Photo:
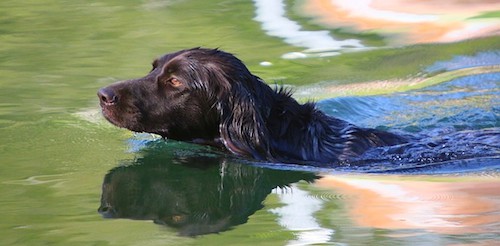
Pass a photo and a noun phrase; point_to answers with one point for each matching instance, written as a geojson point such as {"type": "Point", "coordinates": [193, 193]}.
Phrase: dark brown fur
{"type": "Point", "coordinates": [208, 96]}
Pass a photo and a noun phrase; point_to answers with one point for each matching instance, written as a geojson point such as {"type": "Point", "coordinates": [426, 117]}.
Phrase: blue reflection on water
{"type": "Point", "coordinates": [471, 102]}
{"type": "Point", "coordinates": [490, 58]}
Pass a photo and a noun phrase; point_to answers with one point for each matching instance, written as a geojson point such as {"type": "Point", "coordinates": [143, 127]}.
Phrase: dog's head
{"type": "Point", "coordinates": [194, 94]}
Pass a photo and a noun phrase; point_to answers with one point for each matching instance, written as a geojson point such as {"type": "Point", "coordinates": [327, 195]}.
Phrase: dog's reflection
{"type": "Point", "coordinates": [192, 193]}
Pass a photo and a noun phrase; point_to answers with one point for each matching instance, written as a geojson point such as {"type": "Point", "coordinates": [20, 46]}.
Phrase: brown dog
{"type": "Point", "coordinates": [209, 96]}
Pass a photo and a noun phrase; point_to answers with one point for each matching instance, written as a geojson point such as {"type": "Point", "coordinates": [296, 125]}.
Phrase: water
{"type": "Point", "coordinates": [66, 172]}
{"type": "Point", "coordinates": [453, 121]}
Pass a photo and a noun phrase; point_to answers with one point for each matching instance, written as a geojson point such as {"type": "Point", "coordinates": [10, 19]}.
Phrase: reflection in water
{"type": "Point", "coordinates": [196, 194]}
{"type": "Point", "coordinates": [481, 59]}
{"type": "Point", "coordinates": [363, 9]}
{"type": "Point", "coordinates": [272, 16]}
{"type": "Point", "coordinates": [298, 216]}
{"type": "Point", "coordinates": [466, 205]}
{"type": "Point", "coordinates": [468, 102]}
{"type": "Point", "coordinates": [410, 21]}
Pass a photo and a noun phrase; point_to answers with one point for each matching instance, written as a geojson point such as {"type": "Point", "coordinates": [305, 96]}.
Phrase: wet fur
{"type": "Point", "coordinates": [216, 100]}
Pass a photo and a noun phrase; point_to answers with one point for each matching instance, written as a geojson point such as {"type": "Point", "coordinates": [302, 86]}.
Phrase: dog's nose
{"type": "Point", "coordinates": [107, 96]}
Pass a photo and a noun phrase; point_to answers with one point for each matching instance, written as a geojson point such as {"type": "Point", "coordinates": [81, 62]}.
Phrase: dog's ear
{"type": "Point", "coordinates": [242, 126]}
{"type": "Point", "coordinates": [240, 98]}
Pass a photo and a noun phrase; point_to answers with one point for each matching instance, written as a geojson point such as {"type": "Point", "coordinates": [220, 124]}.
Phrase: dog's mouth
{"type": "Point", "coordinates": [106, 104]}
{"type": "Point", "coordinates": [116, 117]}
{"type": "Point", "coordinates": [128, 119]}
{"type": "Point", "coordinates": [109, 112]}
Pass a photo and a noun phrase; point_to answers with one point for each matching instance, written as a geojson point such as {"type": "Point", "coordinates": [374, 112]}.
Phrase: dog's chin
{"type": "Point", "coordinates": [130, 124]}
{"type": "Point", "coordinates": [112, 117]}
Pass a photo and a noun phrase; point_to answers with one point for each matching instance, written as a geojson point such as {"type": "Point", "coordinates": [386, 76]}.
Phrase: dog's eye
{"type": "Point", "coordinates": [174, 82]}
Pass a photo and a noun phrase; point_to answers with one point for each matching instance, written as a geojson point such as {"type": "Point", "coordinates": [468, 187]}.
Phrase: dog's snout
{"type": "Point", "coordinates": [107, 96]}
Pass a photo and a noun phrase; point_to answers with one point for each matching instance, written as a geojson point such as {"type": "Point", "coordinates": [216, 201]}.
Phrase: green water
{"type": "Point", "coordinates": [55, 149]}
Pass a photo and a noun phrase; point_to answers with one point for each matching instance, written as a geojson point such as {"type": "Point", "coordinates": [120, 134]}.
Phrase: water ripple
{"type": "Point", "coordinates": [38, 180]}
{"type": "Point", "coordinates": [328, 196]}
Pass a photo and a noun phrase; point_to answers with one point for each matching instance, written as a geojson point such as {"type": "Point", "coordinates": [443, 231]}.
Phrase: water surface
{"type": "Point", "coordinates": [62, 163]}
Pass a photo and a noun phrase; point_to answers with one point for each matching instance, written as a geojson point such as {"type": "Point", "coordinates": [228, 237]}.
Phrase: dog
{"type": "Point", "coordinates": [208, 96]}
